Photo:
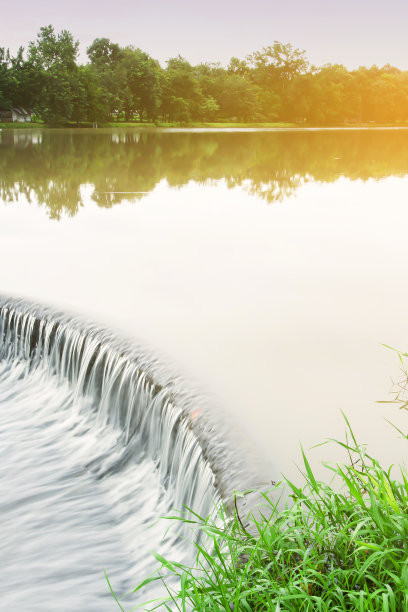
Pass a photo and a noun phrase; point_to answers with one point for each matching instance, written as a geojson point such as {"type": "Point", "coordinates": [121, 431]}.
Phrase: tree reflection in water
{"type": "Point", "coordinates": [49, 167]}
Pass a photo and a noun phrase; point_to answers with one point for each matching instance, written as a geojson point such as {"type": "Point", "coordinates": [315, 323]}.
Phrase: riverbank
{"type": "Point", "coordinates": [197, 125]}
{"type": "Point", "coordinates": [338, 546]}
{"type": "Point", "coordinates": [138, 125]}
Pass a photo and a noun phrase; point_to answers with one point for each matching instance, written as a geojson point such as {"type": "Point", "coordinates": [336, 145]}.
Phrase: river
{"type": "Point", "coordinates": [266, 266]}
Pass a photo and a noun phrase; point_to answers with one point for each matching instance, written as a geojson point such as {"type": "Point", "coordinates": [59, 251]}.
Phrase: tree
{"type": "Point", "coordinates": [142, 79]}
{"type": "Point", "coordinates": [237, 66]}
{"type": "Point", "coordinates": [103, 53]}
{"type": "Point", "coordinates": [274, 70]}
{"type": "Point", "coordinates": [238, 98]}
{"type": "Point", "coordinates": [5, 79]}
{"type": "Point", "coordinates": [279, 62]}
{"type": "Point", "coordinates": [51, 50]}
{"type": "Point", "coordinates": [182, 96]}
{"type": "Point", "coordinates": [53, 59]}
{"type": "Point", "coordinates": [329, 91]}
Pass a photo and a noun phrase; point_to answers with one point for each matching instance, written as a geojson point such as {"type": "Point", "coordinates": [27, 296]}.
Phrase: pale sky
{"type": "Point", "coordinates": [351, 32]}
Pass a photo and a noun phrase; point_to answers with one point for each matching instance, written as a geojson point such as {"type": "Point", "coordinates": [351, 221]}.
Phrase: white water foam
{"type": "Point", "coordinates": [93, 453]}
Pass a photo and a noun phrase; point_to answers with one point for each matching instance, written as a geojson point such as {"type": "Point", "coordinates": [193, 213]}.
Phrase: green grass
{"type": "Point", "coordinates": [334, 547]}
{"type": "Point", "coordinates": [147, 124]}
{"type": "Point", "coordinates": [21, 126]}
{"type": "Point", "coordinates": [190, 124]}
{"type": "Point", "coordinates": [197, 124]}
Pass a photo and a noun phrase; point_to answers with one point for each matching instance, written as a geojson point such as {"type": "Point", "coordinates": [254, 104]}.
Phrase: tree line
{"type": "Point", "coordinates": [276, 84]}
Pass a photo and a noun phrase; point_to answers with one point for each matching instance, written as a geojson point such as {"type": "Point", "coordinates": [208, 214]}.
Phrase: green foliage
{"type": "Point", "coordinates": [103, 53]}
{"type": "Point", "coordinates": [274, 84]}
{"type": "Point", "coordinates": [142, 78]}
{"type": "Point", "coordinates": [339, 547]}
{"type": "Point", "coordinates": [238, 98]}
{"type": "Point", "coordinates": [5, 79]}
{"type": "Point", "coordinates": [50, 50]}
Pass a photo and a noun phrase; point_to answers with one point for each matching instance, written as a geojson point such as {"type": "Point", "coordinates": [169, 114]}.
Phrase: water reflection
{"type": "Point", "coordinates": [50, 167]}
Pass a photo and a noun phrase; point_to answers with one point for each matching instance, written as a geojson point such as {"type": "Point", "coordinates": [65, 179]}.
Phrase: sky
{"type": "Point", "coordinates": [349, 32]}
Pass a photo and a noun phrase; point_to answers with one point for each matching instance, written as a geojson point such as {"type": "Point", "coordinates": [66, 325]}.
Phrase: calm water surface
{"type": "Point", "coordinates": [268, 265]}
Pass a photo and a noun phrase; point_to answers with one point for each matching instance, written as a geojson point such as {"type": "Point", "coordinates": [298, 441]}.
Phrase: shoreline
{"type": "Point", "coordinates": [195, 125]}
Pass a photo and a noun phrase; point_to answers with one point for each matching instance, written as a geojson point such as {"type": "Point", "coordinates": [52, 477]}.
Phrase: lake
{"type": "Point", "coordinates": [267, 266]}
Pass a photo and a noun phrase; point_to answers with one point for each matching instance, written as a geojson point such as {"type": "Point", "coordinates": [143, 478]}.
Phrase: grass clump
{"type": "Point", "coordinates": [339, 546]}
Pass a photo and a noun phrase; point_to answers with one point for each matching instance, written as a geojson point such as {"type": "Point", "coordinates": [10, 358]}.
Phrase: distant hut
{"type": "Point", "coordinates": [19, 114]}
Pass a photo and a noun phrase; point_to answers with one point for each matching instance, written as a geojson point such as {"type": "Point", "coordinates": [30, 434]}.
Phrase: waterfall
{"type": "Point", "coordinates": [102, 427]}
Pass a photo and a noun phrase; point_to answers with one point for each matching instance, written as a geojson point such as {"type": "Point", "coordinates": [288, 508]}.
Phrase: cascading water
{"type": "Point", "coordinates": [96, 444]}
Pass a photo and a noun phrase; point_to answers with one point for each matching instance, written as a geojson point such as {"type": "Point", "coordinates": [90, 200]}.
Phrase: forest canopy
{"type": "Point", "coordinates": [275, 84]}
